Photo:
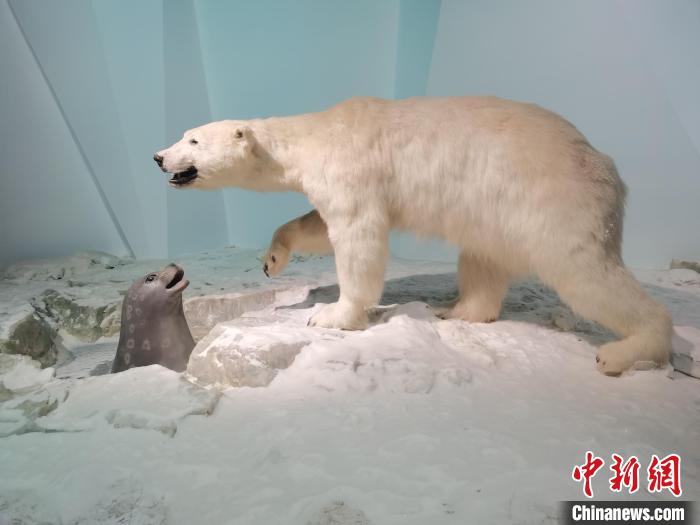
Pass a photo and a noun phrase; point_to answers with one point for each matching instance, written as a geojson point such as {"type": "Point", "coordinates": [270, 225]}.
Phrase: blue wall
{"type": "Point", "coordinates": [91, 89]}
{"type": "Point", "coordinates": [196, 220]}
{"type": "Point", "coordinates": [49, 202]}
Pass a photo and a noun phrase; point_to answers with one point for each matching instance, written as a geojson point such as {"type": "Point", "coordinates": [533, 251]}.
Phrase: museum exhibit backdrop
{"type": "Point", "coordinates": [91, 89]}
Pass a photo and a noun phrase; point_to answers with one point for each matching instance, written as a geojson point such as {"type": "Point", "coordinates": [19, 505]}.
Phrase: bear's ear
{"type": "Point", "coordinates": [245, 136]}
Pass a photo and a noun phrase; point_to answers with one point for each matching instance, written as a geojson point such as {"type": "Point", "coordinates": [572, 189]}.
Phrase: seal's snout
{"type": "Point", "coordinates": [177, 277]}
{"type": "Point", "coordinates": [266, 270]}
{"type": "Point", "coordinates": [173, 276]}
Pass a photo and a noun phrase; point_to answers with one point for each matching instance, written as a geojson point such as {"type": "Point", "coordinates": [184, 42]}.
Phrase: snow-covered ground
{"type": "Point", "coordinates": [416, 420]}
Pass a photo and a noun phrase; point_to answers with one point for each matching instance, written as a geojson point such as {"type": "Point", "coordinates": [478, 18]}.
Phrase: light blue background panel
{"type": "Point", "coordinates": [48, 201]}
{"type": "Point", "coordinates": [66, 41]}
{"type": "Point", "coordinates": [196, 220]}
{"type": "Point", "coordinates": [136, 69]}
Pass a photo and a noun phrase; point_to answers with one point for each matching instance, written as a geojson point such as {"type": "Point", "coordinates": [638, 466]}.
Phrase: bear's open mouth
{"type": "Point", "coordinates": [184, 177]}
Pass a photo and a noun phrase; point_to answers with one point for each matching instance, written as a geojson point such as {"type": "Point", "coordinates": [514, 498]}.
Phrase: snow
{"type": "Point", "coordinates": [150, 397]}
{"type": "Point", "coordinates": [20, 373]}
{"type": "Point", "coordinates": [416, 420]}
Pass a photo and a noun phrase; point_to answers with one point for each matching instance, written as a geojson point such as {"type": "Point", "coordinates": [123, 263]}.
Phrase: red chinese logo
{"type": "Point", "coordinates": [661, 473]}
{"type": "Point", "coordinates": [586, 472]}
{"type": "Point", "coordinates": [665, 474]}
{"type": "Point", "coordinates": [625, 474]}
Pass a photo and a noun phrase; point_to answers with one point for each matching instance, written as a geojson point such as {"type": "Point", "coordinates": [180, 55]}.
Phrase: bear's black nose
{"type": "Point", "coordinates": [158, 159]}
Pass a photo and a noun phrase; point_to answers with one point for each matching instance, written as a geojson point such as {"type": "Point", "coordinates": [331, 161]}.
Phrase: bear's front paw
{"type": "Point", "coordinates": [275, 261]}
{"type": "Point", "coordinates": [340, 315]}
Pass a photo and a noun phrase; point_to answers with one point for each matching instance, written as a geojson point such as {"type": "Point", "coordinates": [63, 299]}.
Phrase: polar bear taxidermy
{"type": "Point", "coordinates": [517, 188]}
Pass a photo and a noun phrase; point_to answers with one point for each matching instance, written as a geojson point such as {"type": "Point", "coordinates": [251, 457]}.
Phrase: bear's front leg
{"type": "Point", "coordinates": [306, 234]}
{"type": "Point", "coordinates": [361, 250]}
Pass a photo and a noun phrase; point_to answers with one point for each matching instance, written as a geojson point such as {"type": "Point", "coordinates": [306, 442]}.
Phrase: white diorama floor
{"type": "Point", "coordinates": [415, 420]}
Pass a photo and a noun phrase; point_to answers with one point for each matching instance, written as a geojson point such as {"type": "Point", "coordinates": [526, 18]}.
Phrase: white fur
{"type": "Point", "coordinates": [305, 234]}
{"type": "Point", "coordinates": [516, 187]}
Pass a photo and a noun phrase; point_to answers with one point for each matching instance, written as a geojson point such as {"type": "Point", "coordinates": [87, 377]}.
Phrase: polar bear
{"type": "Point", "coordinates": [306, 234]}
{"type": "Point", "coordinates": [516, 187]}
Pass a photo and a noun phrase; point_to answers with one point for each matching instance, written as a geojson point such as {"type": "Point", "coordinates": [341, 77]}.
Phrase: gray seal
{"type": "Point", "coordinates": [154, 329]}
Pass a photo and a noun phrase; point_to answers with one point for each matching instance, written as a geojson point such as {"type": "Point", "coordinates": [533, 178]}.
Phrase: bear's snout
{"type": "Point", "coordinates": [158, 159]}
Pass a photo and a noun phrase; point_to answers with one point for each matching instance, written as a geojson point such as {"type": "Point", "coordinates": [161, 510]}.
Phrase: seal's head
{"type": "Point", "coordinates": [154, 328]}
{"type": "Point", "coordinates": [159, 291]}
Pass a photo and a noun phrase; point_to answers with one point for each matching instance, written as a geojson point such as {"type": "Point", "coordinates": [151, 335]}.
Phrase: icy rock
{"type": "Point", "coordinates": [21, 508]}
{"type": "Point", "coordinates": [277, 345]}
{"type": "Point", "coordinates": [28, 334]}
{"type": "Point", "coordinates": [685, 356]}
{"type": "Point", "coordinates": [413, 309]}
{"type": "Point", "coordinates": [232, 355]}
{"type": "Point", "coordinates": [339, 513]}
{"type": "Point", "coordinates": [19, 413]}
{"type": "Point", "coordinates": [19, 417]}
{"type": "Point", "coordinates": [126, 502]}
{"type": "Point", "coordinates": [688, 265]}
{"type": "Point", "coordinates": [12, 423]}
{"type": "Point", "coordinates": [402, 355]}
{"type": "Point", "coordinates": [149, 397]}
{"type": "Point", "coordinates": [33, 409]}
{"type": "Point", "coordinates": [204, 313]}
{"type": "Point", "coordinates": [92, 359]}
{"type": "Point", "coordinates": [61, 268]}
{"type": "Point", "coordinates": [87, 322]}
{"type": "Point", "coordinates": [5, 393]}
{"type": "Point", "coordinates": [20, 374]}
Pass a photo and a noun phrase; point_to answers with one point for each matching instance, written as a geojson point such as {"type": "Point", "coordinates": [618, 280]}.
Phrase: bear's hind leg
{"type": "Point", "coordinates": [482, 287]}
{"type": "Point", "coordinates": [606, 292]}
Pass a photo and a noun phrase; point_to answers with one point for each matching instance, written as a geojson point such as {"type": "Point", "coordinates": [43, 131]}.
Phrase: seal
{"type": "Point", "coordinates": [154, 329]}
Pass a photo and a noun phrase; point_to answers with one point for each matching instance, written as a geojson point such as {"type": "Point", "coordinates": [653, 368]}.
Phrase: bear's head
{"type": "Point", "coordinates": [218, 154]}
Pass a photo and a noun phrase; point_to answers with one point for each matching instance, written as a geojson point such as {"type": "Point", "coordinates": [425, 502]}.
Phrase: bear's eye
{"type": "Point", "coordinates": [274, 259]}
{"type": "Point", "coordinates": [194, 142]}
{"type": "Point", "coordinates": [239, 134]}
{"type": "Point", "coordinates": [151, 277]}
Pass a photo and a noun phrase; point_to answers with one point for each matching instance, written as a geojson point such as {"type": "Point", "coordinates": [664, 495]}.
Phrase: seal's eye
{"type": "Point", "coordinates": [194, 142]}
{"type": "Point", "coordinates": [151, 277]}
{"type": "Point", "coordinates": [274, 259]}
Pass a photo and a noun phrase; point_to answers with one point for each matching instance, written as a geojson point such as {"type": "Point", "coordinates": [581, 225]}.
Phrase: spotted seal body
{"type": "Point", "coordinates": [154, 329]}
